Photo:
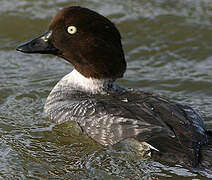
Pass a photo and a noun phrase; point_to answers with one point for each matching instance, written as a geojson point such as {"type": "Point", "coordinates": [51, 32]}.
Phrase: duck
{"type": "Point", "coordinates": [107, 112]}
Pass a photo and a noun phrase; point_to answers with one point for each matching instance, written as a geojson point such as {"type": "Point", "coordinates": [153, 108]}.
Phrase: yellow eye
{"type": "Point", "coordinates": [72, 29]}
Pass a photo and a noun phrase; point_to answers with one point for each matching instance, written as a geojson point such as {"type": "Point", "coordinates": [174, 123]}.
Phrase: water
{"type": "Point", "coordinates": [168, 48]}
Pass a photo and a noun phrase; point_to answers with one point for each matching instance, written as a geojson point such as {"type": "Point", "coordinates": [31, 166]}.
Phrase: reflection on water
{"type": "Point", "coordinates": [168, 48]}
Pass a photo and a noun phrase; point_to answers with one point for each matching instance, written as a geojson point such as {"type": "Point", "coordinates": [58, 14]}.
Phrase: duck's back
{"type": "Point", "coordinates": [112, 117]}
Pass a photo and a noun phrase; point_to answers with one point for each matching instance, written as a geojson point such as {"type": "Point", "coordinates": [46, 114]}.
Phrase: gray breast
{"type": "Point", "coordinates": [65, 103]}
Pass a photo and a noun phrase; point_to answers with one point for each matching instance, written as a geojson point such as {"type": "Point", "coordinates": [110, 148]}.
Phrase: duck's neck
{"type": "Point", "coordinates": [95, 86]}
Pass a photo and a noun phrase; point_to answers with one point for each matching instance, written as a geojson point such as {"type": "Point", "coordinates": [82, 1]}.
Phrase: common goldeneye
{"type": "Point", "coordinates": [107, 112]}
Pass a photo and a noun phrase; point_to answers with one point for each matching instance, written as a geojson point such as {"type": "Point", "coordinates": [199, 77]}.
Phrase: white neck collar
{"type": "Point", "coordinates": [94, 86]}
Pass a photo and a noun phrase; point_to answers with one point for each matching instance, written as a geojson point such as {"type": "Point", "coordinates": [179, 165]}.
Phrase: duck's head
{"type": "Point", "coordinates": [88, 40]}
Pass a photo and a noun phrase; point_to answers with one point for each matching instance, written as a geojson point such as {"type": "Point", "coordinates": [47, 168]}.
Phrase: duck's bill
{"type": "Point", "coordinates": [41, 44]}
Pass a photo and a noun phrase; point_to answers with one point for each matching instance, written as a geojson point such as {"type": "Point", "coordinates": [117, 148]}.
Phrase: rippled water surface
{"type": "Point", "coordinates": [168, 48]}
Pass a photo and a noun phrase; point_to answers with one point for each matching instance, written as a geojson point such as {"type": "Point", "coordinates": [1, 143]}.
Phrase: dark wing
{"type": "Point", "coordinates": [187, 125]}
{"type": "Point", "coordinates": [109, 119]}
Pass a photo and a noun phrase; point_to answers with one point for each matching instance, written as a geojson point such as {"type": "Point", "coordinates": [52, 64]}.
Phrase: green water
{"type": "Point", "coordinates": [168, 49]}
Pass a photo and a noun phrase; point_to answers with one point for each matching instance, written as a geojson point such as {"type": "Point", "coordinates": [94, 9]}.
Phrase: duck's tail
{"type": "Point", "coordinates": [206, 153]}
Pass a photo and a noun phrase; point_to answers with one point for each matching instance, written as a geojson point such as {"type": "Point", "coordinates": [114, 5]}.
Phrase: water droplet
{"type": "Point", "coordinates": [125, 100]}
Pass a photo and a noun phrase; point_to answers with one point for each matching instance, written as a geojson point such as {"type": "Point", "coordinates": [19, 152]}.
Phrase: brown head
{"type": "Point", "coordinates": [88, 40]}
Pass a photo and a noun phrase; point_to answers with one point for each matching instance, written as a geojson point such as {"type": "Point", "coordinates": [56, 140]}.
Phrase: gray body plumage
{"type": "Point", "coordinates": [110, 117]}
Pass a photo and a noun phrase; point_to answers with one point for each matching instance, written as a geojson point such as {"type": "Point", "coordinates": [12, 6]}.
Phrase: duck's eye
{"type": "Point", "coordinates": [72, 29]}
